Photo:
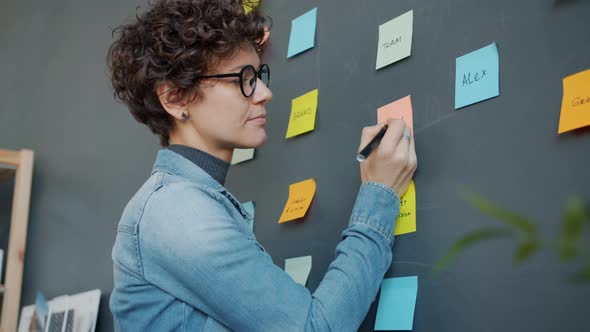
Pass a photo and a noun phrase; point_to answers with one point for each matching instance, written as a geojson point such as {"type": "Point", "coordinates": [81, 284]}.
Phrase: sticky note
{"type": "Point", "coordinates": [399, 109]}
{"type": "Point", "coordinates": [249, 5]}
{"type": "Point", "coordinates": [477, 76]}
{"type": "Point", "coordinates": [397, 303]}
{"type": "Point", "coordinates": [249, 207]}
{"type": "Point", "coordinates": [300, 197]}
{"type": "Point", "coordinates": [406, 221]}
{"type": "Point", "coordinates": [241, 155]}
{"type": "Point", "coordinates": [575, 105]}
{"type": "Point", "coordinates": [303, 110]}
{"type": "Point", "coordinates": [395, 40]}
{"type": "Point", "coordinates": [302, 35]}
{"type": "Point", "coordinates": [298, 268]}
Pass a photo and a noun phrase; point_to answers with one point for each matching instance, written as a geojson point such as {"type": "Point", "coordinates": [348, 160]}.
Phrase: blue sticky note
{"type": "Point", "coordinates": [397, 303]}
{"type": "Point", "coordinates": [477, 76]}
{"type": "Point", "coordinates": [302, 33]}
{"type": "Point", "coordinates": [41, 308]}
{"type": "Point", "coordinates": [249, 207]}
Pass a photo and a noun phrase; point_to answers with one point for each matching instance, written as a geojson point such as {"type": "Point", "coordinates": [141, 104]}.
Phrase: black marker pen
{"type": "Point", "coordinates": [364, 154]}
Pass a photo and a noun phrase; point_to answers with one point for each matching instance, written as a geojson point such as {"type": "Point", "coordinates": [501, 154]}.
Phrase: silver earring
{"type": "Point", "coordinates": [185, 116]}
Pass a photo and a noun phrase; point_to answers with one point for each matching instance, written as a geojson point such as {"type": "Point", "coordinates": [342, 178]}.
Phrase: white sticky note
{"type": "Point", "coordinates": [395, 40]}
{"type": "Point", "coordinates": [241, 155]}
{"type": "Point", "coordinates": [298, 268]}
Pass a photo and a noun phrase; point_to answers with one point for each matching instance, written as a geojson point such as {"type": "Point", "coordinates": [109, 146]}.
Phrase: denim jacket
{"type": "Point", "coordinates": [185, 259]}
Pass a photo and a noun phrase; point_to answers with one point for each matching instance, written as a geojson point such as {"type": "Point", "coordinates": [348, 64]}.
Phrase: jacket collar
{"type": "Point", "coordinates": [171, 162]}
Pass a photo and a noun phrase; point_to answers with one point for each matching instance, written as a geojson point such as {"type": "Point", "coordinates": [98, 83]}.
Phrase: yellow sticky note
{"type": "Point", "coordinates": [303, 111]}
{"type": "Point", "coordinates": [575, 106]}
{"type": "Point", "coordinates": [300, 197]}
{"type": "Point", "coordinates": [406, 221]}
{"type": "Point", "coordinates": [249, 5]}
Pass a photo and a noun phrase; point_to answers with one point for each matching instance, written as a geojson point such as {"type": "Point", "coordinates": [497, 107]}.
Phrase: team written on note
{"type": "Point", "coordinates": [300, 197]}
{"type": "Point", "coordinates": [303, 113]}
{"type": "Point", "coordinates": [402, 108]}
{"type": "Point", "coordinates": [477, 76]}
{"type": "Point", "coordinates": [302, 35]}
{"type": "Point", "coordinates": [395, 40]}
{"type": "Point", "coordinates": [575, 105]}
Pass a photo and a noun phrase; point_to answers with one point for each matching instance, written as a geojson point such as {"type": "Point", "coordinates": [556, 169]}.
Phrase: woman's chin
{"type": "Point", "coordinates": [254, 142]}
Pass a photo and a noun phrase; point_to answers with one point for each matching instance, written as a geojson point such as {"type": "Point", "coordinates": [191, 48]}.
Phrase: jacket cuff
{"type": "Point", "coordinates": [377, 206]}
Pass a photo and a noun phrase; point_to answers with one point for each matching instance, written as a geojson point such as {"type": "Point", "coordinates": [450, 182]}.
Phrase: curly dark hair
{"type": "Point", "coordinates": [175, 41]}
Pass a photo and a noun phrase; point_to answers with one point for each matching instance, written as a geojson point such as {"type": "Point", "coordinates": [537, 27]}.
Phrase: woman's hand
{"type": "Point", "coordinates": [394, 161]}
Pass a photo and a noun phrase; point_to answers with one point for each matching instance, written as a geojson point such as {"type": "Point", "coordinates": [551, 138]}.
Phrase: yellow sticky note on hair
{"type": "Point", "coordinates": [249, 5]}
{"type": "Point", "coordinates": [406, 221]}
{"type": "Point", "coordinates": [575, 106]}
{"type": "Point", "coordinates": [300, 197]}
{"type": "Point", "coordinates": [303, 110]}
{"type": "Point", "coordinates": [401, 108]}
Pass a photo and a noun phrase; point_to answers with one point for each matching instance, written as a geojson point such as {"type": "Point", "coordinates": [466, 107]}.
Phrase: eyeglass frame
{"type": "Point", "coordinates": [257, 74]}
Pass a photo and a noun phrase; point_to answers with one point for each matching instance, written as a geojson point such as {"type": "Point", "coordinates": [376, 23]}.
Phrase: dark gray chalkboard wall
{"type": "Point", "coordinates": [91, 156]}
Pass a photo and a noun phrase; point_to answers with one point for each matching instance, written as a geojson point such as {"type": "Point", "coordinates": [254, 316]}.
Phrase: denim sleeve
{"type": "Point", "coordinates": [194, 251]}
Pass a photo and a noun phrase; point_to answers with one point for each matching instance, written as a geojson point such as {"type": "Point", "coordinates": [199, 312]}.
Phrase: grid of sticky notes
{"type": "Point", "coordinates": [477, 79]}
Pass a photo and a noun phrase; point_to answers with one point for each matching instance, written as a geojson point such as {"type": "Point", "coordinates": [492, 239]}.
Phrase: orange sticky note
{"type": "Point", "coordinates": [401, 108]}
{"type": "Point", "coordinates": [575, 105]}
{"type": "Point", "coordinates": [300, 197]}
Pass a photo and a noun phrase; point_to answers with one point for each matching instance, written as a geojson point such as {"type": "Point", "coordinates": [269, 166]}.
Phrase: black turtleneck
{"type": "Point", "coordinates": [214, 166]}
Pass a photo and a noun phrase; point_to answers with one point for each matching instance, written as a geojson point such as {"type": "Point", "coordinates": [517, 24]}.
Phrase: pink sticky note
{"type": "Point", "coordinates": [401, 108]}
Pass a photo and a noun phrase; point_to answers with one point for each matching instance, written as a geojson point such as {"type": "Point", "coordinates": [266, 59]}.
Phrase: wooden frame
{"type": "Point", "coordinates": [20, 163]}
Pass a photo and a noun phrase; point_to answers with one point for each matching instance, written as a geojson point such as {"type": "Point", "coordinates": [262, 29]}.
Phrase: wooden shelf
{"type": "Point", "coordinates": [17, 164]}
{"type": "Point", "coordinates": [6, 173]}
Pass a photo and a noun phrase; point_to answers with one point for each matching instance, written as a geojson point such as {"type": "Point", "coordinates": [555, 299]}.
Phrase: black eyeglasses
{"type": "Point", "coordinates": [248, 78]}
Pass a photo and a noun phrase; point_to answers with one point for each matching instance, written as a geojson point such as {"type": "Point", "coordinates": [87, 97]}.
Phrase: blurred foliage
{"type": "Point", "coordinates": [568, 245]}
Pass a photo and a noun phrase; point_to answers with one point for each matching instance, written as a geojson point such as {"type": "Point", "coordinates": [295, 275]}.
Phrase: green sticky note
{"type": "Point", "coordinates": [298, 268]}
{"type": "Point", "coordinates": [395, 39]}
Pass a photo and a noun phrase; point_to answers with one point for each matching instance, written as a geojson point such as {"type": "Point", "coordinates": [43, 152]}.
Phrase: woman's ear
{"type": "Point", "coordinates": [166, 94]}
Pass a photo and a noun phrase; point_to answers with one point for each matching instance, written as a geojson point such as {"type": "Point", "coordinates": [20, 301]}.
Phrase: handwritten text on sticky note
{"type": "Point", "coordinates": [477, 76]}
{"type": "Point", "coordinates": [575, 105]}
{"type": "Point", "coordinates": [406, 221]}
{"type": "Point", "coordinates": [395, 40]}
{"type": "Point", "coordinates": [300, 197]}
{"type": "Point", "coordinates": [303, 114]}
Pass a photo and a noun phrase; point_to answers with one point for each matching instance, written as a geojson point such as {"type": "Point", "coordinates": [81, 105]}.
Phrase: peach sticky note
{"type": "Point", "coordinates": [401, 108]}
{"type": "Point", "coordinates": [303, 110]}
{"type": "Point", "coordinates": [406, 221]}
{"type": "Point", "coordinates": [300, 197]}
{"type": "Point", "coordinates": [575, 106]}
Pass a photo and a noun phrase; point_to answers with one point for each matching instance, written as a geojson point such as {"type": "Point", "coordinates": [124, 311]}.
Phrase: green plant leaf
{"type": "Point", "coordinates": [508, 217]}
{"type": "Point", "coordinates": [525, 250]}
{"type": "Point", "coordinates": [571, 228]}
{"type": "Point", "coordinates": [467, 241]}
{"type": "Point", "coordinates": [583, 275]}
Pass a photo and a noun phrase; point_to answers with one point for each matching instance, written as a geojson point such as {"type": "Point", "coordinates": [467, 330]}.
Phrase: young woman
{"type": "Point", "coordinates": [184, 256]}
